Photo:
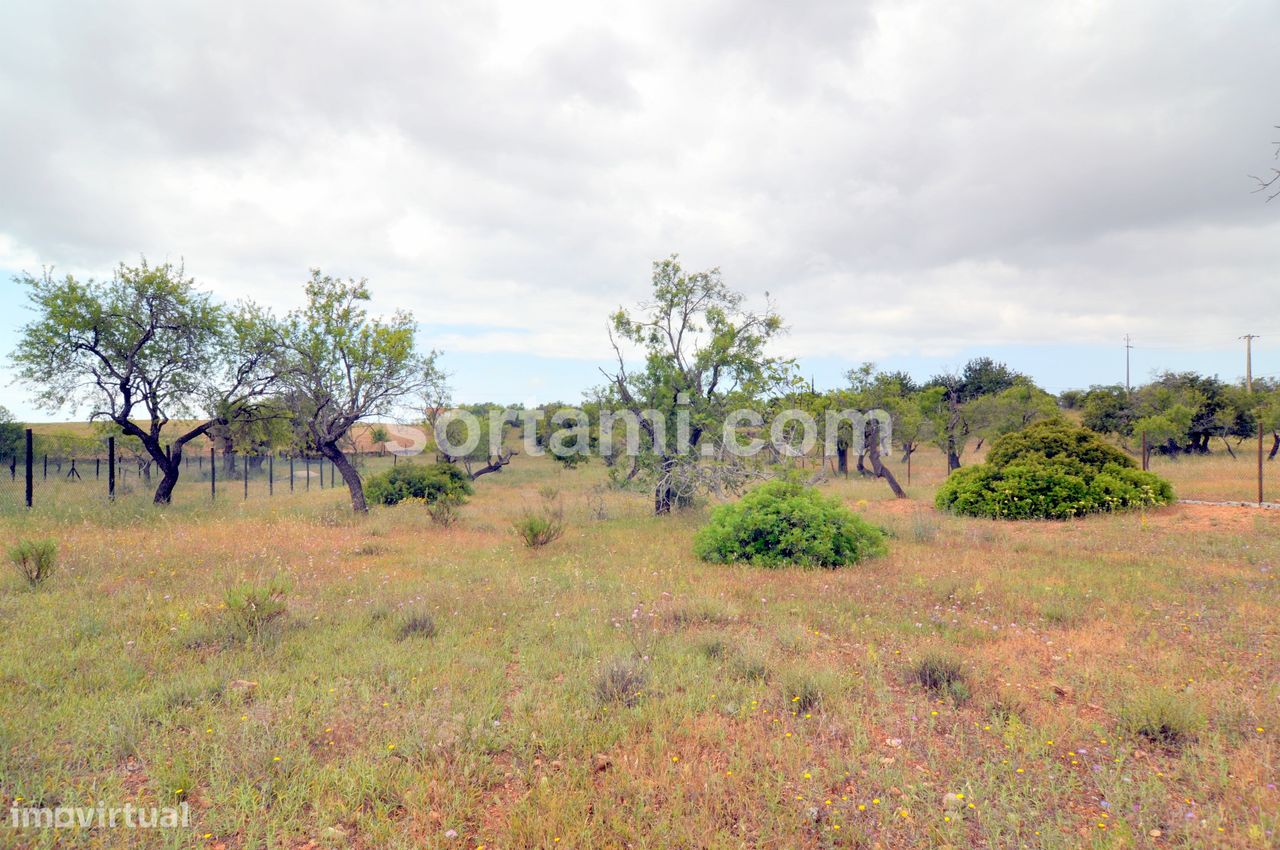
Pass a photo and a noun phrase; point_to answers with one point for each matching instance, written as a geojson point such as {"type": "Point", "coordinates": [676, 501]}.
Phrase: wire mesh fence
{"type": "Point", "coordinates": [41, 475]}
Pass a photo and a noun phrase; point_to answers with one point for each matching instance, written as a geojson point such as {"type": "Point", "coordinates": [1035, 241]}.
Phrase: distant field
{"type": "Point", "coordinates": [776, 709]}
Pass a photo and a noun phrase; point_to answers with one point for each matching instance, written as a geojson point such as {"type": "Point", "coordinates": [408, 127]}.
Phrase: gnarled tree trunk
{"type": "Point", "coordinates": [349, 475]}
{"type": "Point", "coordinates": [879, 468]}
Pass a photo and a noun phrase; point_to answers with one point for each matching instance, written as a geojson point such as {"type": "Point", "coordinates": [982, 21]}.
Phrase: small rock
{"type": "Point", "coordinates": [451, 833]}
{"type": "Point", "coordinates": [335, 836]}
{"type": "Point", "coordinates": [1155, 833]}
{"type": "Point", "coordinates": [893, 742]}
{"type": "Point", "coordinates": [952, 802]}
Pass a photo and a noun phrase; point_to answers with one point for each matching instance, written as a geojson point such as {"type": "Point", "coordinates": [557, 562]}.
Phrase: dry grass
{"type": "Point", "coordinates": [800, 728]}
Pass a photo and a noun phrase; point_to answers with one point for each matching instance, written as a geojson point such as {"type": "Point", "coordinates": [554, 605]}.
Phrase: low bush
{"type": "Point", "coordinates": [416, 624]}
{"type": "Point", "coordinates": [621, 682]}
{"type": "Point", "coordinates": [1051, 470]}
{"type": "Point", "coordinates": [35, 560]}
{"type": "Point", "coordinates": [942, 674]}
{"type": "Point", "coordinates": [1162, 717]}
{"type": "Point", "coordinates": [783, 522]}
{"type": "Point", "coordinates": [256, 609]}
{"type": "Point", "coordinates": [434, 483]}
{"type": "Point", "coordinates": [545, 525]}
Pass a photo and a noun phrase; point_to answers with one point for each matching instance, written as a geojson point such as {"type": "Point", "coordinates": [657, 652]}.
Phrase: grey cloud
{"type": "Point", "coordinates": [980, 172]}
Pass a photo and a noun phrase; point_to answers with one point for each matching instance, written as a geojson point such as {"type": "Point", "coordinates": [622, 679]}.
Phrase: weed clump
{"type": "Point", "coordinates": [416, 624]}
{"type": "Point", "coordinates": [35, 560]}
{"type": "Point", "coordinates": [1163, 717]}
{"type": "Point", "coordinates": [621, 682]}
{"type": "Point", "coordinates": [803, 695]}
{"type": "Point", "coordinates": [943, 674]}
{"type": "Point", "coordinates": [256, 610]}
{"type": "Point", "coordinates": [544, 525]}
{"type": "Point", "coordinates": [784, 522]}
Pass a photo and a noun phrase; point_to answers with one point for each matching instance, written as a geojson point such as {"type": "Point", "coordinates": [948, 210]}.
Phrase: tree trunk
{"type": "Point", "coordinates": [664, 495]}
{"type": "Point", "coordinates": [953, 423]}
{"type": "Point", "coordinates": [1275, 445]}
{"type": "Point", "coordinates": [164, 493]}
{"type": "Point", "coordinates": [880, 469]}
{"type": "Point", "coordinates": [842, 459]}
{"type": "Point", "coordinates": [349, 475]}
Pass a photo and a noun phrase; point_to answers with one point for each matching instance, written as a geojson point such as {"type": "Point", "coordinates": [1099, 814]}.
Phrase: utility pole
{"type": "Point", "coordinates": [1128, 346]}
{"type": "Point", "coordinates": [1248, 360]}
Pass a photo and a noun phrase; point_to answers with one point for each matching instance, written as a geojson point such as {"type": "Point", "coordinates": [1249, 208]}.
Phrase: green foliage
{"type": "Point", "coordinates": [538, 528]}
{"type": "Point", "coordinates": [1162, 717]}
{"type": "Point", "coordinates": [35, 560]}
{"type": "Point", "coordinates": [1051, 470]}
{"type": "Point", "coordinates": [434, 483]}
{"type": "Point", "coordinates": [12, 438]}
{"type": "Point", "coordinates": [783, 522]}
{"type": "Point", "coordinates": [143, 350]}
{"type": "Point", "coordinates": [340, 366]}
{"type": "Point", "coordinates": [256, 610]}
{"type": "Point", "coordinates": [704, 356]}
{"type": "Point", "coordinates": [1057, 439]}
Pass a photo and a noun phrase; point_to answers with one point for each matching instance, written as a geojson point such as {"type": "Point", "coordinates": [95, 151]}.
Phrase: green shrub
{"type": "Point", "coordinates": [432, 483]}
{"type": "Point", "coordinates": [35, 560]}
{"type": "Point", "coordinates": [783, 522]}
{"type": "Point", "coordinates": [1051, 470]}
{"type": "Point", "coordinates": [539, 527]}
{"type": "Point", "coordinates": [256, 609]}
{"type": "Point", "coordinates": [1162, 717]}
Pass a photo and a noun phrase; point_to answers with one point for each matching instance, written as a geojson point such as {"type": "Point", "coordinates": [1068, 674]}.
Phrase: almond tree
{"type": "Point", "coordinates": [704, 354]}
{"type": "Point", "coordinates": [145, 350]}
{"type": "Point", "coordinates": [341, 367]}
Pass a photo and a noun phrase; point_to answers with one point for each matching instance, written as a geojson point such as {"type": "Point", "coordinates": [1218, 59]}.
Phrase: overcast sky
{"type": "Point", "coordinates": [914, 182]}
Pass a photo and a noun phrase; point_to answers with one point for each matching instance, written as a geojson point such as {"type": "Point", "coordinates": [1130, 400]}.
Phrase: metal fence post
{"type": "Point", "coordinates": [111, 467]}
{"type": "Point", "coordinates": [245, 465]}
{"type": "Point", "coordinates": [290, 473]}
{"type": "Point", "coordinates": [213, 475]}
{"type": "Point", "coordinates": [30, 470]}
{"type": "Point", "coordinates": [271, 474]}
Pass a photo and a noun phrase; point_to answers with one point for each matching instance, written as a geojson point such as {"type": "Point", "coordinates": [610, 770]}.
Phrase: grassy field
{"type": "Point", "coordinates": [760, 708]}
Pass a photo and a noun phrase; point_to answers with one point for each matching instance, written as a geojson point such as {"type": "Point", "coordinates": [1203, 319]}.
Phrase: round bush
{"type": "Point", "coordinates": [1051, 470]}
{"type": "Point", "coordinates": [434, 483]}
{"type": "Point", "coordinates": [783, 522]}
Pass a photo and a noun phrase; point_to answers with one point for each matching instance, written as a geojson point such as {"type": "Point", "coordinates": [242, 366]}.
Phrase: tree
{"type": "Point", "coordinates": [145, 347]}
{"type": "Point", "coordinates": [379, 435]}
{"type": "Point", "coordinates": [980, 376]}
{"type": "Point", "coordinates": [992, 416]}
{"type": "Point", "coordinates": [1108, 410]}
{"type": "Point", "coordinates": [252, 431]}
{"type": "Point", "coordinates": [343, 367]}
{"type": "Point", "coordinates": [11, 434]}
{"type": "Point", "coordinates": [703, 353]}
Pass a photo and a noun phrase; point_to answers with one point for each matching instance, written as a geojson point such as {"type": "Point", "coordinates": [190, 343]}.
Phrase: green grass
{"type": "Point", "coordinates": [762, 694]}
